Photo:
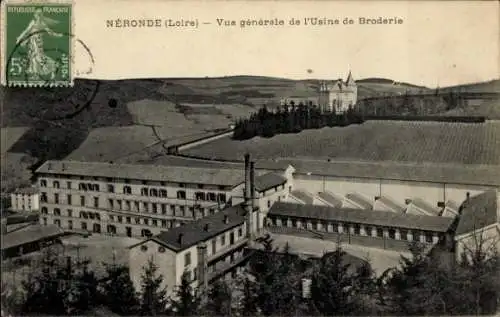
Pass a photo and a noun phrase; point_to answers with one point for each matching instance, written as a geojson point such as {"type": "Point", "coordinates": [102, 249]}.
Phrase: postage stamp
{"type": "Point", "coordinates": [37, 43]}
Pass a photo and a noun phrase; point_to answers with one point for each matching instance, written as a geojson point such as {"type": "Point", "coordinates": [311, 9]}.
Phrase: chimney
{"type": "Point", "coordinates": [202, 266]}
{"type": "Point", "coordinates": [206, 227]}
{"type": "Point", "coordinates": [179, 238]}
{"type": "Point", "coordinates": [226, 219]}
{"type": "Point", "coordinates": [254, 202]}
{"type": "Point", "coordinates": [247, 195]}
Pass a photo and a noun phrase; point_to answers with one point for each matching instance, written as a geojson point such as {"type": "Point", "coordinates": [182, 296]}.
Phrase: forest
{"type": "Point", "coordinates": [290, 119]}
{"type": "Point", "coordinates": [271, 284]}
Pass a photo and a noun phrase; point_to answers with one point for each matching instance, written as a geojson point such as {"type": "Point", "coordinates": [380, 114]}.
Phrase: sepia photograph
{"type": "Point", "coordinates": [237, 158]}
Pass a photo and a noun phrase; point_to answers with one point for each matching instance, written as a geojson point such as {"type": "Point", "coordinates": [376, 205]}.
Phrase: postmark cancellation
{"type": "Point", "coordinates": [37, 43]}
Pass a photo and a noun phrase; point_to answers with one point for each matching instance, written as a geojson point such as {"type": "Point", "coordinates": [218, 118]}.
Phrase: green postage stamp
{"type": "Point", "coordinates": [37, 43]}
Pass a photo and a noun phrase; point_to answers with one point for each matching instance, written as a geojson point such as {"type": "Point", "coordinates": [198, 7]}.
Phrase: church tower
{"type": "Point", "coordinates": [337, 96]}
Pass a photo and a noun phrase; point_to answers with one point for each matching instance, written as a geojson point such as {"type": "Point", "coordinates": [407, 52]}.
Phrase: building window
{"type": "Point", "coordinates": [163, 193]}
{"type": "Point", "coordinates": [153, 192]}
{"type": "Point", "coordinates": [214, 246]}
{"type": "Point", "coordinates": [57, 211]}
{"type": "Point", "coordinates": [392, 233]}
{"type": "Point", "coordinates": [70, 224]}
{"type": "Point", "coordinates": [127, 190]}
{"type": "Point", "coordinates": [211, 197]}
{"type": "Point", "coordinates": [137, 220]}
{"type": "Point", "coordinates": [163, 223]}
{"type": "Point", "coordinates": [182, 185]}
{"type": "Point", "coordinates": [240, 232]}
{"type": "Point", "coordinates": [56, 198]}
{"type": "Point", "coordinates": [111, 188]}
{"type": "Point", "coordinates": [269, 204]}
{"type": "Point", "coordinates": [111, 229]}
{"type": "Point", "coordinates": [428, 237]}
{"type": "Point", "coordinates": [120, 219]}
{"type": "Point", "coordinates": [223, 240]}
{"type": "Point", "coordinates": [96, 187]}
{"type": "Point", "coordinates": [127, 205]}
{"type": "Point", "coordinates": [181, 194]}
{"type": "Point", "coordinates": [45, 221]}
{"type": "Point", "coordinates": [380, 232]}
{"type": "Point", "coordinates": [96, 202]}
{"type": "Point", "coordinates": [163, 209]}
{"type": "Point", "coordinates": [136, 205]}
{"type": "Point", "coordinates": [146, 221]}
{"type": "Point", "coordinates": [69, 200]}
{"type": "Point", "coordinates": [43, 197]}
{"type": "Point", "coordinates": [82, 200]}
{"type": "Point", "coordinates": [55, 184]}
{"type": "Point", "coordinates": [146, 206]}
{"type": "Point", "coordinates": [357, 229]}
{"type": "Point", "coordinates": [155, 222]}
{"type": "Point", "coordinates": [97, 228]}
{"type": "Point", "coordinates": [155, 208]}
{"type": "Point", "coordinates": [128, 219]}
{"type": "Point", "coordinates": [84, 225]}
{"type": "Point", "coordinates": [110, 203]}
{"type": "Point", "coordinates": [187, 259]}
{"type": "Point", "coordinates": [57, 222]}
{"type": "Point", "coordinates": [43, 183]}
{"type": "Point", "coordinates": [82, 186]}
{"type": "Point", "coordinates": [70, 213]}
{"type": "Point", "coordinates": [199, 196]}
{"type": "Point", "coordinates": [144, 191]}
{"type": "Point", "coordinates": [68, 185]}
{"type": "Point", "coordinates": [119, 202]}
{"type": "Point", "coordinates": [221, 198]}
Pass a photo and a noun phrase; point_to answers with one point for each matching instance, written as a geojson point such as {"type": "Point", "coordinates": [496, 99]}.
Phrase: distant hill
{"type": "Point", "coordinates": [165, 109]}
{"type": "Point", "coordinates": [481, 87]}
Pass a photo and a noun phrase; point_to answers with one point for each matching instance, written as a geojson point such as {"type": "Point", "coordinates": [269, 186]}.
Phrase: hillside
{"type": "Point", "coordinates": [138, 118]}
{"type": "Point", "coordinates": [402, 141]}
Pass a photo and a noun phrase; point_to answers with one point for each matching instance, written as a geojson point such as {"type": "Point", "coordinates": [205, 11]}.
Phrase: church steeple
{"type": "Point", "coordinates": [350, 81]}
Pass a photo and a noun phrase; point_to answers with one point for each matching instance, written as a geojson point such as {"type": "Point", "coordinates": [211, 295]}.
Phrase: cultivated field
{"type": "Point", "coordinates": [373, 141]}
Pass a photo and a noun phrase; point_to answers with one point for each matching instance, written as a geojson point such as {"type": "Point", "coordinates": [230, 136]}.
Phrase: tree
{"type": "Point", "coordinates": [153, 296]}
{"type": "Point", "coordinates": [186, 301]}
{"type": "Point", "coordinates": [248, 305]}
{"type": "Point", "coordinates": [218, 300]}
{"type": "Point", "coordinates": [332, 287]}
{"type": "Point", "coordinates": [118, 291]}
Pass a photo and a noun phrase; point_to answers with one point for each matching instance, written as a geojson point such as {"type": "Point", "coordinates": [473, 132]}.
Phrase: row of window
{"type": "Point", "coordinates": [156, 208]}
{"type": "Point", "coordinates": [145, 191]}
{"type": "Point", "coordinates": [358, 229]}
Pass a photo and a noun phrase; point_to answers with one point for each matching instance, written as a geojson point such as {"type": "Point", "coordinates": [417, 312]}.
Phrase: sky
{"type": "Point", "coordinates": [438, 43]}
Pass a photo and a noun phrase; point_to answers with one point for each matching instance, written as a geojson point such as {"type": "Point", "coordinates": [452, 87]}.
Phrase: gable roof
{"type": "Point", "coordinates": [269, 180]}
{"type": "Point", "coordinates": [391, 204]}
{"type": "Point", "coordinates": [359, 200]}
{"type": "Point", "coordinates": [367, 217]}
{"type": "Point", "coordinates": [425, 206]}
{"type": "Point", "coordinates": [304, 196]}
{"type": "Point", "coordinates": [330, 199]}
{"type": "Point", "coordinates": [178, 174]}
{"type": "Point", "coordinates": [194, 232]}
{"type": "Point", "coordinates": [478, 212]}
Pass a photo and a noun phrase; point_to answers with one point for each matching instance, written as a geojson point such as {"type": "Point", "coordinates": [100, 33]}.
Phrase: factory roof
{"type": "Point", "coordinates": [330, 199]}
{"type": "Point", "coordinates": [180, 174]}
{"type": "Point", "coordinates": [478, 212]}
{"type": "Point", "coordinates": [367, 217]}
{"type": "Point", "coordinates": [268, 180]}
{"type": "Point", "coordinates": [200, 230]}
{"type": "Point", "coordinates": [391, 204]}
{"type": "Point", "coordinates": [359, 200]}
{"type": "Point", "coordinates": [420, 172]}
{"type": "Point", "coordinates": [304, 196]}
{"type": "Point", "coordinates": [30, 234]}
{"type": "Point", "coordinates": [420, 203]}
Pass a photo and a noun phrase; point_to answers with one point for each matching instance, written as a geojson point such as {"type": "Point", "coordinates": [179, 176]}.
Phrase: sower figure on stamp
{"type": "Point", "coordinates": [39, 64]}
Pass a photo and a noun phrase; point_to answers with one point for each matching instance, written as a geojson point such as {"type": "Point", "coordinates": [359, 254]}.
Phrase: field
{"type": "Point", "coordinates": [372, 141]}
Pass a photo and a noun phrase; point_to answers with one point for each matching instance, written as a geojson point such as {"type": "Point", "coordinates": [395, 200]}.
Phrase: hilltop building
{"type": "Point", "coordinates": [332, 96]}
{"type": "Point", "coordinates": [339, 95]}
